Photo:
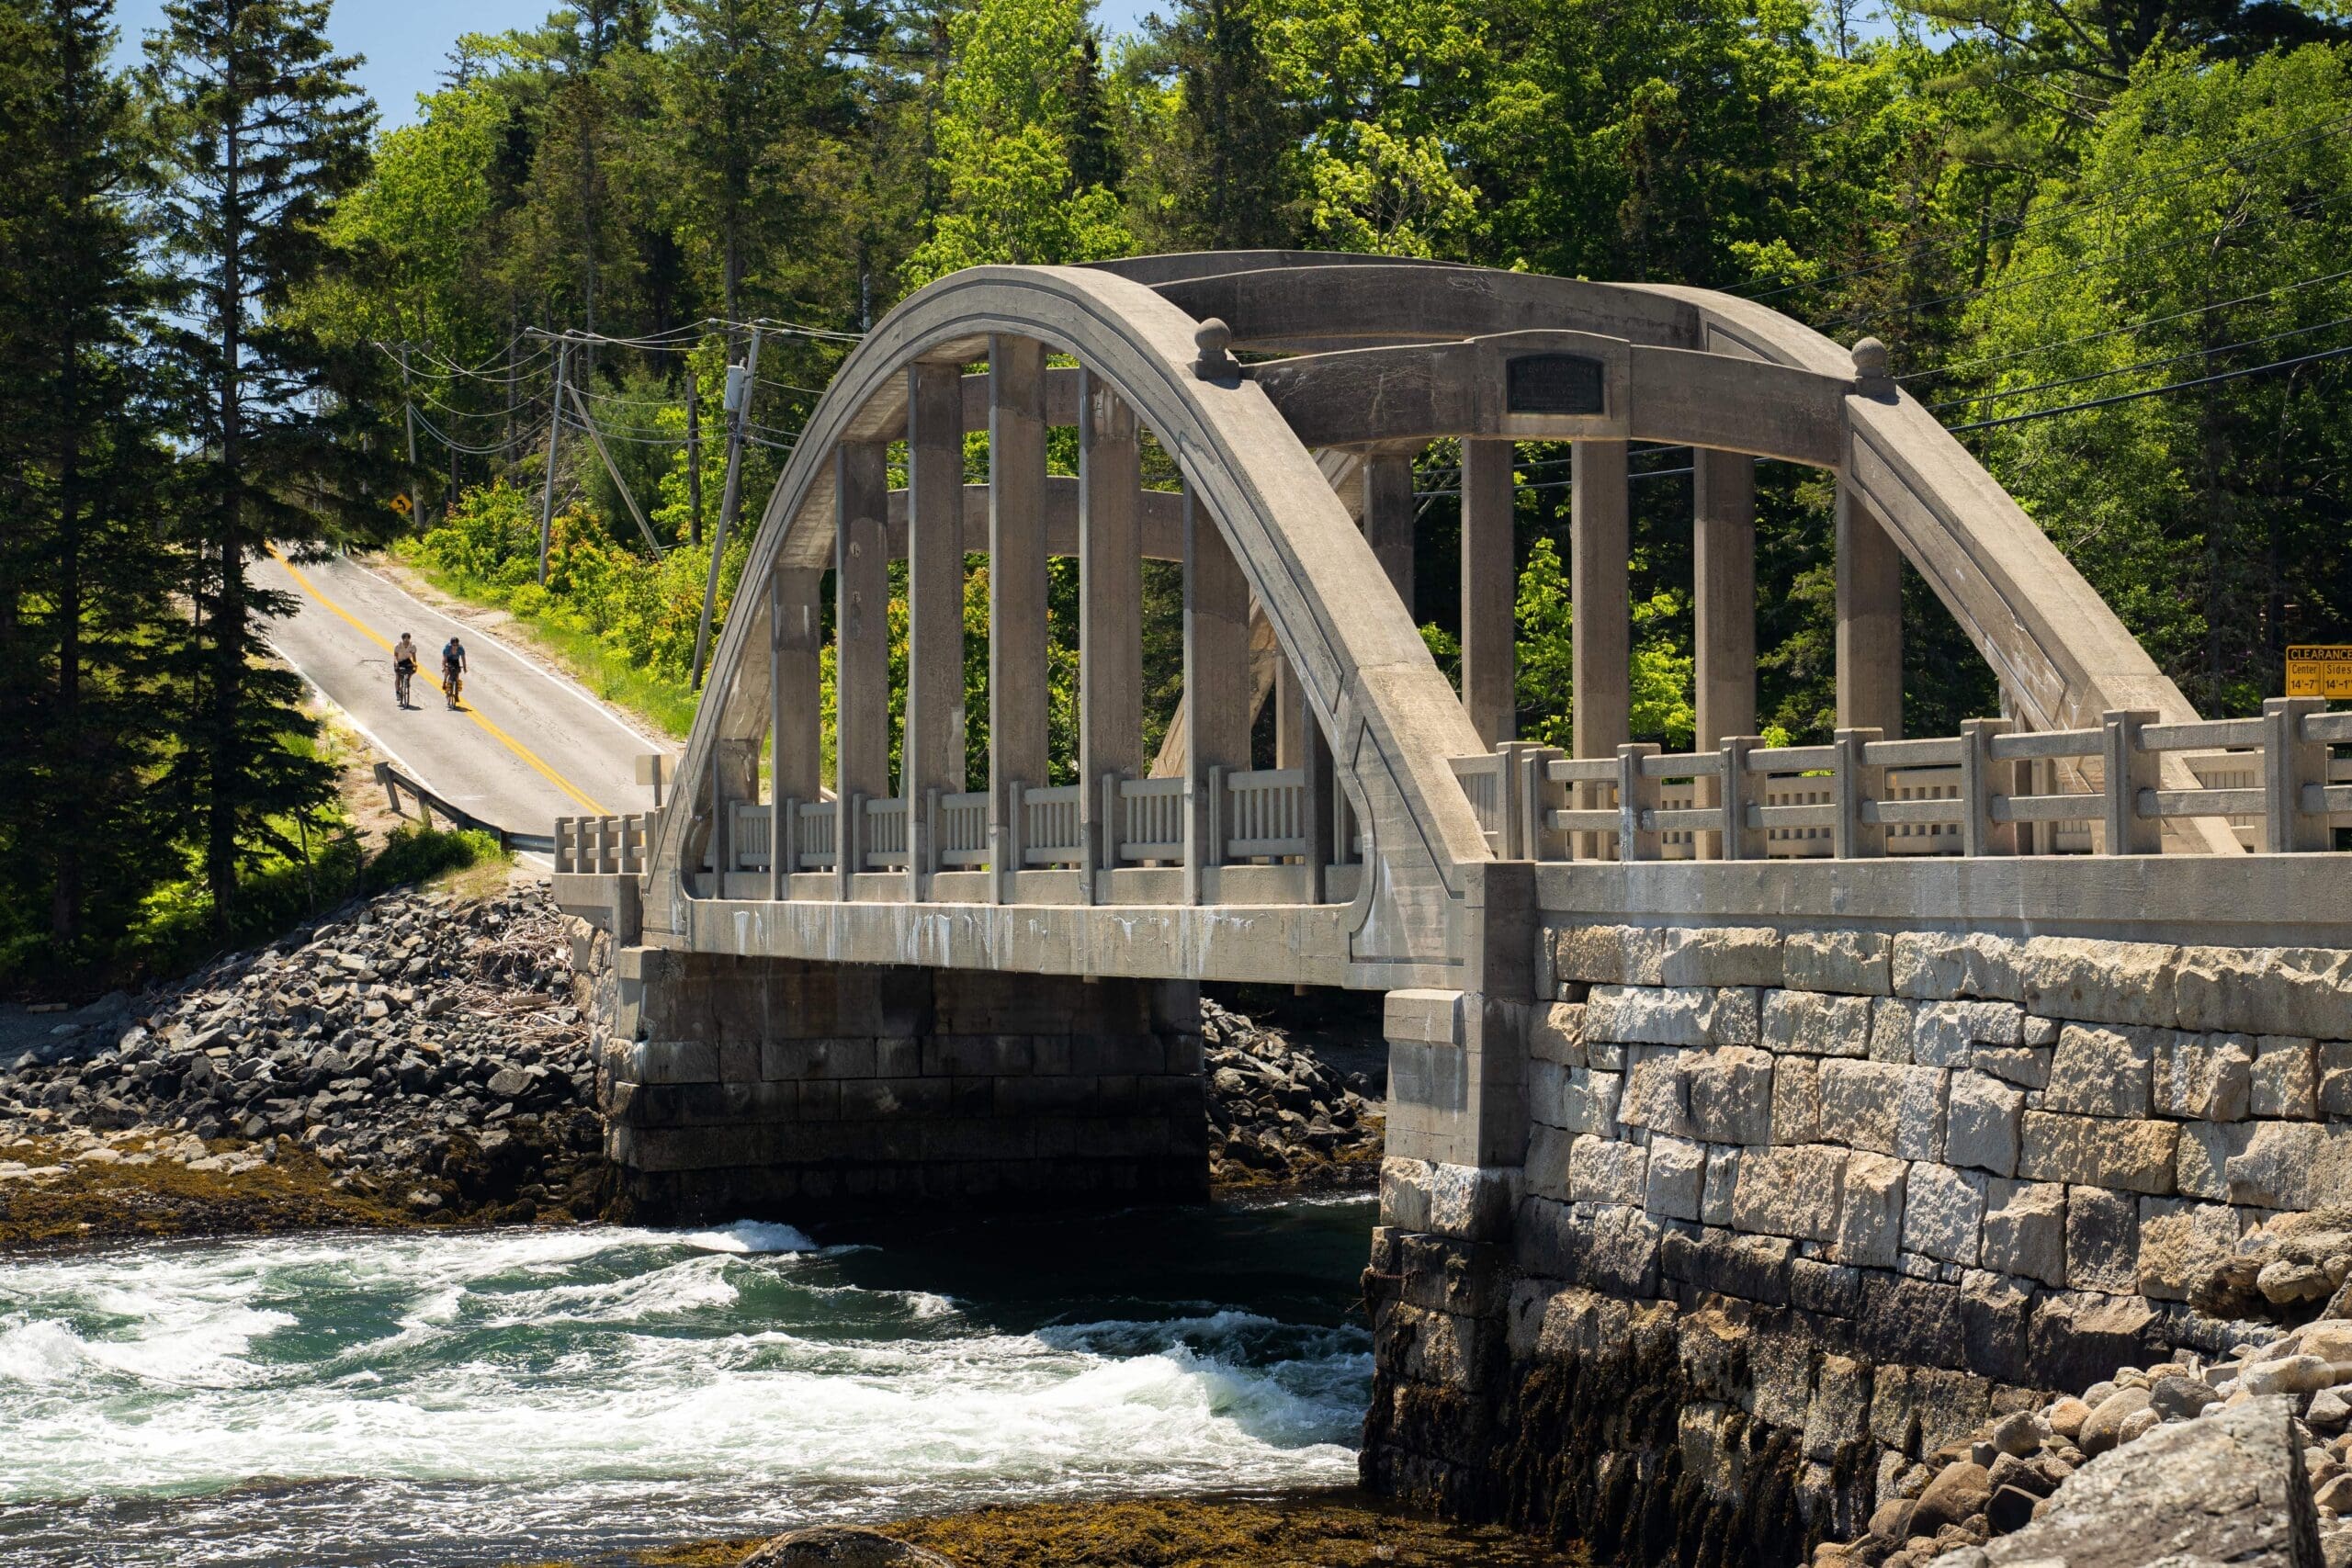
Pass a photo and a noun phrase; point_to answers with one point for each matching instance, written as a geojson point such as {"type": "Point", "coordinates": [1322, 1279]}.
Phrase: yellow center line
{"type": "Point", "coordinates": [497, 734]}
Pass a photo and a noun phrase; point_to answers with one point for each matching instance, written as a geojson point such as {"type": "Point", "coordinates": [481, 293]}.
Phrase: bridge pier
{"type": "Point", "coordinates": [1794, 1187]}
{"type": "Point", "coordinates": [737, 1087]}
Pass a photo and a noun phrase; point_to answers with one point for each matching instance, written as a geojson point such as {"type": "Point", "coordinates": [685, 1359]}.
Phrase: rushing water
{"type": "Point", "coordinates": [431, 1399]}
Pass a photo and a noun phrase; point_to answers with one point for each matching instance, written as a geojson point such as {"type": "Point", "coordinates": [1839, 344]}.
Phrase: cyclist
{"type": "Point", "coordinates": [453, 668]}
{"type": "Point", "coordinates": [403, 667]}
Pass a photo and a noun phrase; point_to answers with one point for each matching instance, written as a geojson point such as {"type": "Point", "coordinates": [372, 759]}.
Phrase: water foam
{"type": "Point", "coordinates": [681, 1382]}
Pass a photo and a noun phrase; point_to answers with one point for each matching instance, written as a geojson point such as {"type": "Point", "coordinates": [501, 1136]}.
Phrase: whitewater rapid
{"type": "Point", "coordinates": [434, 1399]}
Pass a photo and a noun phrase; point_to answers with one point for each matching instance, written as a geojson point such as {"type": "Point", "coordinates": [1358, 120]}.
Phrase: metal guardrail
{"type": "Point", "coordinates": [1990, 791]}
{"type": "Point", "coordinates": [427, 802]}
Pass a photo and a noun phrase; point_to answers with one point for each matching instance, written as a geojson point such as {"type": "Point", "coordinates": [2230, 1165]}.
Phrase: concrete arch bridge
{"type": "Point", "coordinates": [1401, 839]}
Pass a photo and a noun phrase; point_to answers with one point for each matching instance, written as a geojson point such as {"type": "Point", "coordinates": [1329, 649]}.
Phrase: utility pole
{"type": "Point", "coordinates": [693, 455]}
{"type": "Point", "coordinates": [408, 412]}
{"type": "Point", "coordinates": [554, 425]}
{"type": "Point", "coordinates": [740, 380]}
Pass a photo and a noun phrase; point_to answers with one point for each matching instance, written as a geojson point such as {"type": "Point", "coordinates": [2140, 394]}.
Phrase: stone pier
{"type": "Point", "coordinates": [1795, 1203]}
{"type": "Point", "coordinates": [738, 1087]}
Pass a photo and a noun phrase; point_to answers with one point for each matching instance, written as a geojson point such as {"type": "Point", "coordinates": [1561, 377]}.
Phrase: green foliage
{"type": "Point", "coordinates": [417, 853]}
{"type": "Point", "coordinates": [1010, 139]}
{"type": "Point", "coordinates": [87, 565]}
{"type": "Point", "coordinates": [1546, 621]}
{"type": "Point", "coordinates": [2216, 525]}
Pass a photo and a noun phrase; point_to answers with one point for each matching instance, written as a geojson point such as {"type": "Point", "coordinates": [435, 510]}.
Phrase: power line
{"type": "Point", "coordinates": [2154, 391]}
{"type": "Point", "coordinates": [1859, 318]}
{"type": "Point", "coordinates": [456, 446]}
{"type": "Point", "coordinates": [2127, 327]}
{"type": "Point", "coordinates": [2143, 364]}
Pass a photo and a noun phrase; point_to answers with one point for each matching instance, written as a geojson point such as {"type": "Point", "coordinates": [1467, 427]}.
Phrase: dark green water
{"type": "Point", "coordinates": [482, 1398]}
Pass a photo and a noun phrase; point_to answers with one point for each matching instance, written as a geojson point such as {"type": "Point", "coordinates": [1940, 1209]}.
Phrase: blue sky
{"type": "Point", "coordinates": [407, 42]}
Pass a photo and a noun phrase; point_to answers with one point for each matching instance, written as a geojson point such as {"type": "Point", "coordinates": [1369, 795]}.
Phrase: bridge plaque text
{"type": "Point", "coordinates": [1553, 383]}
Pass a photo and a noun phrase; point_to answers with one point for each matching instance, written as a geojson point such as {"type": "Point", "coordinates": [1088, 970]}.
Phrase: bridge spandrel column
{"type": "Point", "coordinates": [1216, 673]}
{"type": "Point", "coordinates": [1291, 717]}
{"type": "Point", "coordinates": [1017, 691]}
{"type": "Point", "coordinates": [1110, 566]}
{"type": "Point", "coordinates": [1870, 619]}
{"type": "Point", "coordinates": [1723, 588]}
{"type": "Point", "coordinates": [932, 755]}
{"type": "Point", "coordinates": [1388, 518]}
{"type": "Point", "coordinates": [1490, 582]}
{"type": "Point", "coordinates": [862, 627]}
{"type": "Point", "coordinates": [1600, 542]}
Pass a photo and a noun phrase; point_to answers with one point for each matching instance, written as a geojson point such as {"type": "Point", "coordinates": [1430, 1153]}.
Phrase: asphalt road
{"type": "Point", "coordinates": [526, 747]}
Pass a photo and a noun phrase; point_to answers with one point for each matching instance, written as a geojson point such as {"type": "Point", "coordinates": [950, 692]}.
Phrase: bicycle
{"type": "Point", "coordinates": [451, 684]}
{"type": "Point", "coordinates": [403, 680]}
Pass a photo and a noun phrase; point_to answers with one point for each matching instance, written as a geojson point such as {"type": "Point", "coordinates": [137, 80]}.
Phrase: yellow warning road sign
{"type": "Point", "coordinates": [2319, 670]}
{"type": "Point", "coordinates": [400, 504]}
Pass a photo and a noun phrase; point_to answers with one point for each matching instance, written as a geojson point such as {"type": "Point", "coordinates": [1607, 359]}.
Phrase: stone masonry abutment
{"type": "Point", "coordinates": [1784, 1205]}
{"type": "Point", "coordinates": [736, 1087]}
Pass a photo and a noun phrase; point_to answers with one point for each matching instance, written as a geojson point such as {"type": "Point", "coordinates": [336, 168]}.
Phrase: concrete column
{"type": "Point", "coordinates": [1216, 674]}
{"type": "Point", "coordinates": [1291, 717]}
{"type": "Point", "coordinates": [1490, 589]}
{"type": "Point", "coordinates": [1388, 519]}
{"type": "Point", "coordinates": [862, 627]}
{"type": "Point", "coordinates": [1109, 620]}
{"type": "Point", "coordinates": [1869, 620]}
{"type": "Point", "coordinates": [1600, 539]}
{"type": "Point", "coordinates": [1017, 733]}
{"type": "Point", "coordinates": [798, 759]}
{"type": "Point", "coordinates": [932, 757]}
{"type": "Point", "coordinates": [1724, 582]}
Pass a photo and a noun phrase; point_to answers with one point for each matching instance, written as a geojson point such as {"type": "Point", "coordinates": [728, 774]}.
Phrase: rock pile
{"type": "Point", "coordinates": [1970, 1493]}
{"type": "Point", "coordinates": [1278, 1114]}
{"type": "Point", "coordinates": [428, 1050]}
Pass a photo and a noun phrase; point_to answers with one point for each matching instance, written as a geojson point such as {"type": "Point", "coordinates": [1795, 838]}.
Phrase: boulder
{"type": "Point", "coordinates": [1951, 1498]}
{"type": "Point", "coordinates": [2104, 1430]}
{"type": "Point", "coordinates": [2230, 1488]}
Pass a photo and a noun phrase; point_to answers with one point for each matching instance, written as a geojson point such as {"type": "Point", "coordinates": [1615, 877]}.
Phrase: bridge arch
{"type": "Point", "coordinates": [1382, 356]}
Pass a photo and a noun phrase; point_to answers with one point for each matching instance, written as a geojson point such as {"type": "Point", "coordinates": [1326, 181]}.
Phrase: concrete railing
{"type": "Point", "coordinates": [602, 846]}
{"type": "Point", "coordinates": [1990, 790]}
{"type": "Point", "coordinates": [1251, 816]}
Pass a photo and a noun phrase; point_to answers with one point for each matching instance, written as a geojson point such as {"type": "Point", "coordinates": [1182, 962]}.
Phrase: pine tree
{"type": "Point", "coordinates": [85, 575]}
{"type": "Point", "coordinates": [258, 132]}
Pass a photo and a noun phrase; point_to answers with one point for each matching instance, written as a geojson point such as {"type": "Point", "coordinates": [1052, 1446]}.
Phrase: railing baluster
{"type": "Point", "coordinates": [1852, 836]}
{"type": "Point", "coordinates": [1637, 801]}
{"type": "Point", "coordinates": [2129, 769]}
{"type": "Point", "coordinates": [2291, 763]}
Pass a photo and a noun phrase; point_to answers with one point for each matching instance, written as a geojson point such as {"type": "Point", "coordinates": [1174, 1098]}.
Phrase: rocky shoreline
{"type": "Point", "coordinates": [424, 1058]}
{"type": "Point", "coordinates": [2271, 1418]}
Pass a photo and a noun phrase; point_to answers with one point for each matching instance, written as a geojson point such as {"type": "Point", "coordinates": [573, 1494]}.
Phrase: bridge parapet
{"type": "Point", "coordinates": [1991, 790]}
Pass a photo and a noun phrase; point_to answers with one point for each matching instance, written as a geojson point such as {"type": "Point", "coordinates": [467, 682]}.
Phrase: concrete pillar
{"type": "Point", "coordinates": [932, 757]}
{"type": "Point", "coordinates": [1017, 692]}
{"type": "Point", "coordinates": [796, 717]}
{"type": "Point", "coordinates": [1723, 583]}
{"type": "Point", "coordinates": [1600, 540]}
{"type": "Point", "coordinates": [1109, 620]}
{"type": "Point", "coordinates": [862, 630]}
{"type": "Point", "coordinates": [1216, 674]}
{"type": "Point", "coordinates": [1388, 519]}
{"type": "Point", "coordinates": [1490, 589]}
{"type": "Point", "coordinates": [1291, 717]}
{"type": "Point", "coordinates": [1869, 620]}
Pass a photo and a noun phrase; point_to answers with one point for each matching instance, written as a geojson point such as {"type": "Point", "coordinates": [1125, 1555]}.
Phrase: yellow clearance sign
{"type": "Point", "coordinates": [2319, 670]}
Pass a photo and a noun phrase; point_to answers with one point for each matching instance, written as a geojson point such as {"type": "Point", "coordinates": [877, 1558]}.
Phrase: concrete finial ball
{"type": "Point", "coordinates": [1869, 359]}
{"type": "Point", "coordinates": [1213, 339]}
